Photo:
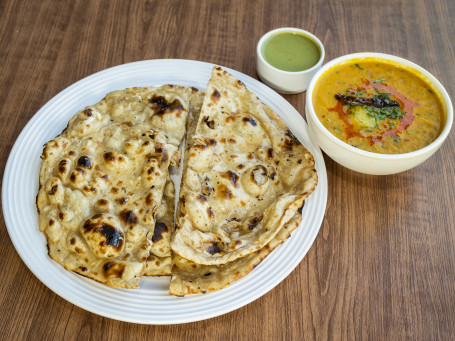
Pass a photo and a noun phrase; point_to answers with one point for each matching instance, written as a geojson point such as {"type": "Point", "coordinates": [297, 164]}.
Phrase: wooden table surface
{"type": "Point", "coordinates": [383, 263]}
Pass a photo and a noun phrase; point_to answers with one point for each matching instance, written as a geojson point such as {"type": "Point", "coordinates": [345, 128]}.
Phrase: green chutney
{"type": "Point", "coordinates": [291, 51]}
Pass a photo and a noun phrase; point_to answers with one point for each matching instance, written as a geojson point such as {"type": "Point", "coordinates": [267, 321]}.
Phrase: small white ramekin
{"type": "Point", "coordinates": [286, 82]}
{"type": "Point", "coordinates": [368, 162]}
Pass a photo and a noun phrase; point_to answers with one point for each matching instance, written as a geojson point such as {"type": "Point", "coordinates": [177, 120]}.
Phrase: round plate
{"type": "Point", "coordinates": [151, 304]}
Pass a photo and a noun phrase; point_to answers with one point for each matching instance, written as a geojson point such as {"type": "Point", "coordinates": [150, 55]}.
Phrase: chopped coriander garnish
{"type": "Point", "coordinates": [382, 113]}
{"type": "Point", "coordinates": [379, 80]}
{"type": "Point", "coordinates": [379, 106]}
{"type": "Point", "coordinates": [359, 67]}
{"type": "Point", "coordinates": [367, 130]}
{"type": "Point", "coordinates": [381, 95]}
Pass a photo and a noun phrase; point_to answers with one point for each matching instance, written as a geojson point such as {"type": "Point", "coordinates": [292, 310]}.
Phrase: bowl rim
{"type": "Point", "coordinates": [280, 29]}
{"type": "Point", "coordinates": [406, 63]}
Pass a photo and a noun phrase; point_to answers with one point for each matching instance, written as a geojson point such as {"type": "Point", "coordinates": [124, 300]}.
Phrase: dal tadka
{"type": "Point", "coordinates": [378, 107]}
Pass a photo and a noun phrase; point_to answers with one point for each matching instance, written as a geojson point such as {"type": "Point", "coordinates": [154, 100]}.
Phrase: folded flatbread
{"type": "Point", "coordinates": [106, 200]}
{"type": "Point", "coordinates": [102, 183]}
{"type": "Point", "coordinates": [159, 263]}
{"type": "Point", "coordinates": [246, 176]}
{"type": "Point", "coordinates": [191, 278]}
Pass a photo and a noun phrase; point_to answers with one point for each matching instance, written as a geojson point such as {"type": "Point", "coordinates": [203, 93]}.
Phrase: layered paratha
{"type": "Point", "coordinates": [245, 179]}
{"type": "Point", "coordinates": [102, 182]}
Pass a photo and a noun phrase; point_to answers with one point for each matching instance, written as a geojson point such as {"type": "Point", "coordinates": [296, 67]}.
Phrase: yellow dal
{"type": "Point", "coordinates": [365, 132]}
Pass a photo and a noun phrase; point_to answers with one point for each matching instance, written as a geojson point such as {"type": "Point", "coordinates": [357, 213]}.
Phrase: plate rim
{"type": "Point", "coordinates": [248, 80]}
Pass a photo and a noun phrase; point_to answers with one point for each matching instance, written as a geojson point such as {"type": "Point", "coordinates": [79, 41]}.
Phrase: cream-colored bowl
{"type": "Point", "coordinates": [368, 162]}
{"type": "Point", "coordinates": [286, 82]}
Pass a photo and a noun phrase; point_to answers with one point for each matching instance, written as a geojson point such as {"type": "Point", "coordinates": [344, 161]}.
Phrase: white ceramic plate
{"type": "Point", "coordinates": [151, 304]}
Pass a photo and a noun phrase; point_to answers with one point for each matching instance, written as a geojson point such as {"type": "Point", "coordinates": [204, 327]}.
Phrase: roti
{"type": "Point", "coordinates": [246, 176]}
{"type": "Point", "coordinates": [102, 183]}
{"type": "Point", "coordinates": [191, 278]}
{"type": "Point", "coordinates": [106, 199]}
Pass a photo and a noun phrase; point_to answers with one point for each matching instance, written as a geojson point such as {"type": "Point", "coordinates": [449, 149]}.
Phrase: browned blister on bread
{"type": "Point", "coordinates": [102, 183]}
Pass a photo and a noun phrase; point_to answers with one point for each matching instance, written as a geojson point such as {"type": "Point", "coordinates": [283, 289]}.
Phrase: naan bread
{"type": "Point", "coordinates": [247, 175]}
{"type": "Point", "coordinates": [102, 182]}
{"type": "Point", "coordinates": [191, 278]}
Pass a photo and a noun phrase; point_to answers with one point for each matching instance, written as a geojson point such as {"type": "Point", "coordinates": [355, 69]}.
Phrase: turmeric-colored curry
{"type": "Point", "coordinates": [378, 106]}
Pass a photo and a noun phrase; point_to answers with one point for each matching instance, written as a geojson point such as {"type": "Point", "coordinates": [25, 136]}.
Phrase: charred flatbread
{"type": "Point", "coordinates": [245, 179]}
{"type": "Point", "coordinates": [102, 182]}
{"type": "Point", "coordinates": [159, 262]}
{"type": "Point", "coordinates": [191, 278]}
{"type": "Point", "coordinates": [106, 200]}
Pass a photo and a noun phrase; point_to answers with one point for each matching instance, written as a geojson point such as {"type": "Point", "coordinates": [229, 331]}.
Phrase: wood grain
{"type": "Point", "coordinates": [383, 264]}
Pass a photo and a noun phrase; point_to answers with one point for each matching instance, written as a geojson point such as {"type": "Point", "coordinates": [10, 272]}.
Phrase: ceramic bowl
{"type": "Point", "coordinates": [368, 162]}
{"type": "Point", "coordinates": [286, 82]}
